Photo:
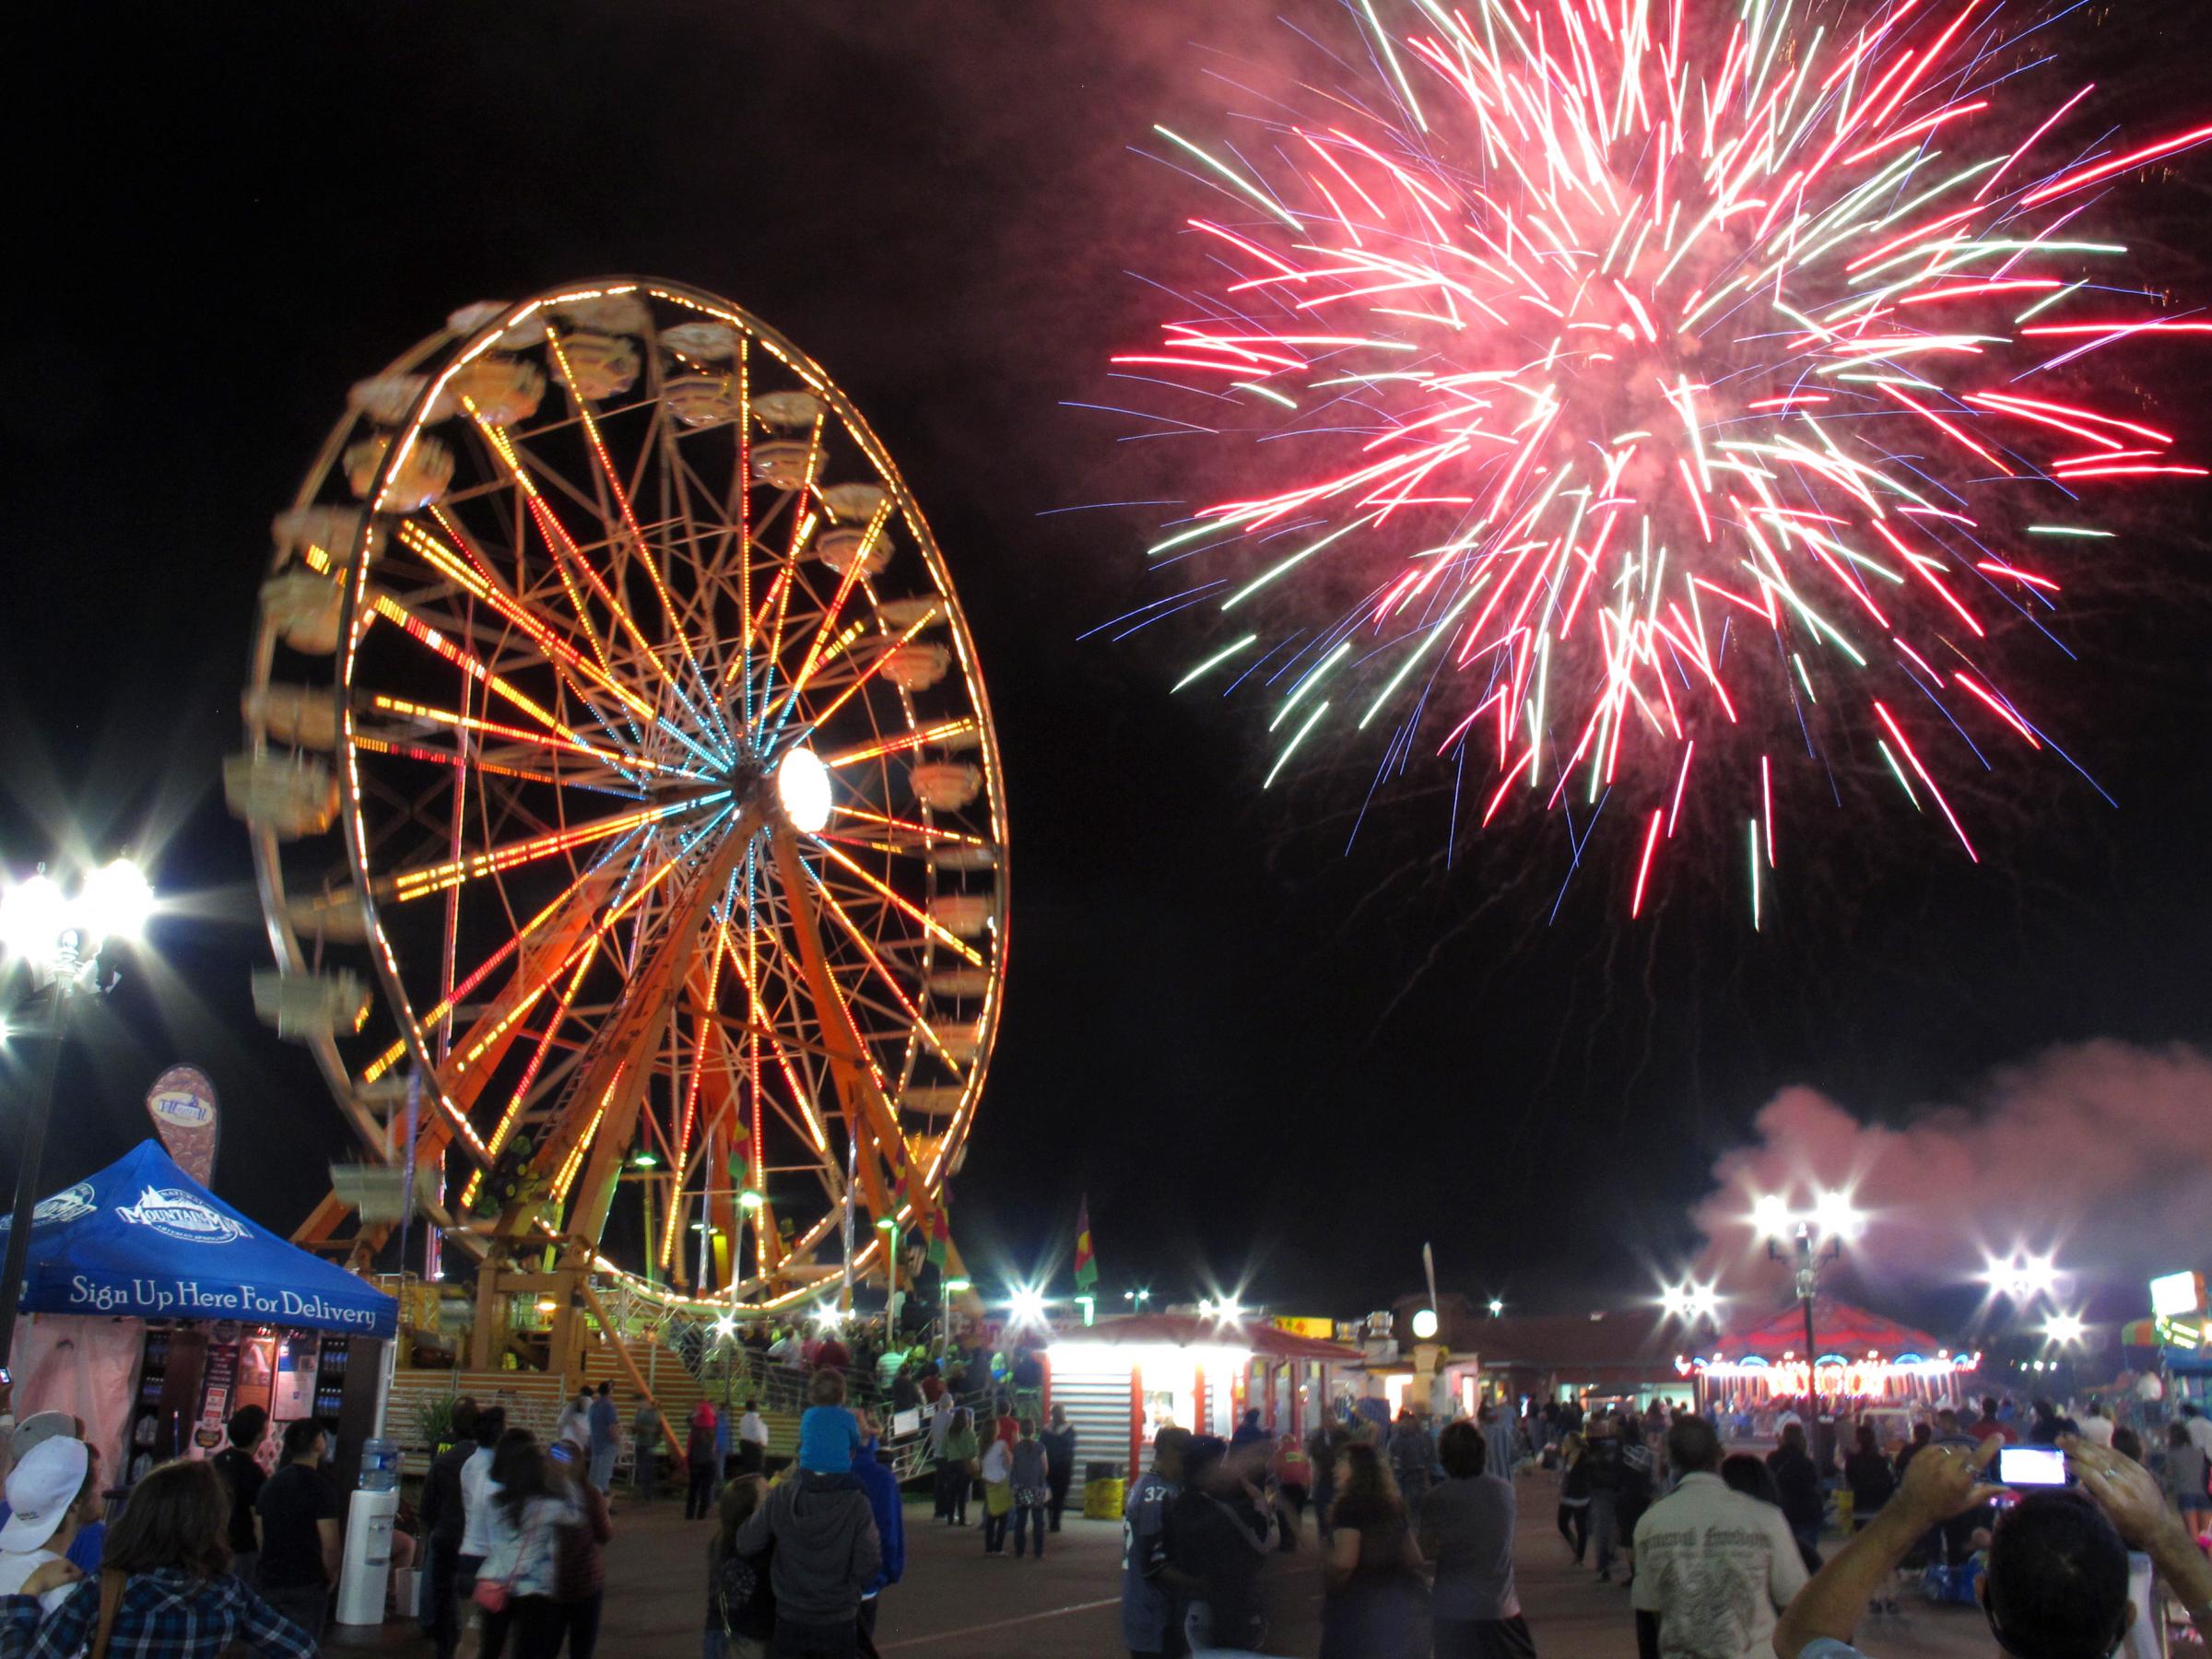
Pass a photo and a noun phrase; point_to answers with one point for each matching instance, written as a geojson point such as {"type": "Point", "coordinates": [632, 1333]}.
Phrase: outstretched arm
{"type": "Point", "coordinates": [2123, 1490]}
{"type": "Point", "coordinates": [1942, 1482]}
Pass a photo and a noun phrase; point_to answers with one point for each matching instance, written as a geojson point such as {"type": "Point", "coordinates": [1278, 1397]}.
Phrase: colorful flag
{"type": "Point", "coordinates": [940, 1231]}
{"type": "Point", "coordinates": [1087, 1269]}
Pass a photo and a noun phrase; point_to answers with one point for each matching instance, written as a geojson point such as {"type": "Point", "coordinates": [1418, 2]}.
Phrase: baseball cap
{"type": "Point", "coordinates": [39, 1428]}
{"type": "Point", "coordinates": [40, 1490]}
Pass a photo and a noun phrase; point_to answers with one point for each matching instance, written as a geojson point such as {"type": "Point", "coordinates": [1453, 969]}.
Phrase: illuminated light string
{"type": "Point", "coordinates": [1804, 261]}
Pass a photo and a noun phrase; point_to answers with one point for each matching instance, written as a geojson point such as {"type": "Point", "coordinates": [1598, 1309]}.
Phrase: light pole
{"type": "Point", "coordinates": [58, 937]}
{"type": "Point", "coordinates": [1809, 1238]}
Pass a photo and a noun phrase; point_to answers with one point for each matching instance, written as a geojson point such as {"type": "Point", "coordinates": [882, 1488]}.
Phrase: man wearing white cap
{"type": "Point", "coordinates": [51, 1491]}
{"type": "Point", "coordinates": [90, 1540]}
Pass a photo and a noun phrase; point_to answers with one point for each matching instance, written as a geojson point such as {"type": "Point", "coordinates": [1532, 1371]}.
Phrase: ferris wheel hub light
{"type": "Point", "coordinates": [803, 788]}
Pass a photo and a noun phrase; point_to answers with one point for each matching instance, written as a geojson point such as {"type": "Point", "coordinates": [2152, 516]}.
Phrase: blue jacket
{"type": "Point", "coordinates": [882, 1487]}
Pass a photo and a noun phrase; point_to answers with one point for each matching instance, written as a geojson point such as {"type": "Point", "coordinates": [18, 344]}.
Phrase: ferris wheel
{"type": "Point", "coordinates": [621, 782]}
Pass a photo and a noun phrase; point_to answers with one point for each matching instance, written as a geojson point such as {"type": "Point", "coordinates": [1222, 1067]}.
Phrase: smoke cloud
{"type": "Point", "coordinates": [2099, 1153]}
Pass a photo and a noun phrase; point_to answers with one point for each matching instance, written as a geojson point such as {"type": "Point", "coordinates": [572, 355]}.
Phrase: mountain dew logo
{"type": "Point", "coordinates": [178, 1214]}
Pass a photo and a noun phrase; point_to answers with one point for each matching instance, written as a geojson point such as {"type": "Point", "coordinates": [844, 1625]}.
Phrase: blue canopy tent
{"type": "Point", "coordinates": [142, 1239]}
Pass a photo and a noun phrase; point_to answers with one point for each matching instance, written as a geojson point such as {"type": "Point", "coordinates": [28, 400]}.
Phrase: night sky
{"type": "Point", "coordinates": [1268, 1060]}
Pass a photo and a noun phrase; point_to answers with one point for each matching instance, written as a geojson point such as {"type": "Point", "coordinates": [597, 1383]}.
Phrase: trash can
{"type": "Point", "coordinates": [1102, 1499]}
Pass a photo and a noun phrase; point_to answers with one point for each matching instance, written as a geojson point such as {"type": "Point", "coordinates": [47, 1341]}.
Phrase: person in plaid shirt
{"type": "Point", "coordinates": [179, 1598]}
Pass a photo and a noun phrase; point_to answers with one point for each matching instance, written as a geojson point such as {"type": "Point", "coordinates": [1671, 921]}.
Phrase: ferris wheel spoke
{"type": "Point", "coordinates": [639, 551]}
{"type": "Point", "coordinates": [905, 742]}
{"type": "Point", "coordinates": [625, 765]}
{"type": "Point", "coordinates": [476, 577]}
{"type": "Point", "coordinates": [868, 1112]}
{"type": "Point", "coordinates": [929, 923]}
{"type": "Point", "coordinates": [425, 879]}
{"type": "Point", "coordinates": [810, 1123]}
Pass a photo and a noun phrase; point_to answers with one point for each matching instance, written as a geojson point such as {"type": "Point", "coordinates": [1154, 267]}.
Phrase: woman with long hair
{"type": "Point", "coordinates": [165, 1584]}
{"type": "Point", "coordinates": [741, 1603]}
{"type": "Point", "coordinates": [1370, 1579]}
{"type": "Point", "coordinates": [957, 1467]}
{"type": "Point", "coordinates": [517, 1583]}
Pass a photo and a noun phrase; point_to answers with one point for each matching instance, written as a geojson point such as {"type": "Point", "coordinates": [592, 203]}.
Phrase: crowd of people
{"type": "Point", "coordinates": [1722, 1552]}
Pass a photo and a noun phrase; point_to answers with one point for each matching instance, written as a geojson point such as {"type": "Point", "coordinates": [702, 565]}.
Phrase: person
{"type": "Point", "coordinates": [579, 1561]}
{"type": "Point", "coordinates": [2185, 1478]}
{"type": "Point", "coordinates": [2198, 1425]}
{"type": "Point", "coordinates": [956, 1467]}
{"type": "Point", "coordinates": [1293, 1474]}
{"type": "Point", "coordinates": [752, 1430]}
{"type": "Point", "coordinates": [241, 1472]}
{"type": "Point", "coordinates": [301, 1530]}
{"type": "Point", "coordinates": [1922, 1433]}
{"type": "Point", "coordinates": [1715, 1564]}
{"type": "Point", "coordinates": [831, 1354]}
{"type": "Point", "coordinates": [1798, 1479]}
{"type": "Point", "coordinates": [84, 1552]}
{"type": "Point", "coordinates": [998, 1496]}
{"type": "Point", "coordinates": [525, 1514]}
{"type": "Point", "coordinates": [1148, 1607]}
{"type": "Point", "coordinates": [828, 1433]}
{"type": "Point", "coordinates": [1636, 1486]}
{"type": "Point", "coordinates": [881, 1488]}
{"type": "Point", "coordinates": [699, 1463]}
{"type": "Point", "coordinates": [646, 1443]}
{"type": "Point", "coordinates": [476, 1503]}
{"type": "Point", "coordinates": [604, 1426]}
{"type": "Point", "coordinates": [1869, 1474]}
{"type": "Point", "coordinates": [444, 1518]}
{"type": "Point", "coordinates": [1248, 1432]}
{"type": "Point", "coordinates": [1466, 1534]}
{"type": "Point", "coordinates": [2096, 1428]}
{"type": "Point", "coordinates": [1029, 1475]}
{"type": "Point", "coordinates": [1217, 1538]}
{"type": "Point", "coordinates": [1412, 1456]}
{"type": "Point", "coordinates": [51, 1495]}
{"type": "Point", "coordinates": [2057, 1580]}
{"type": "Point", "coordinates": [741, 1601]}
{"type": "Point", "coordinates": [1007, 1427]}
{"type": "Point", "coordinates": [574, 1424]}
{"type": "Point", "coordinates": [824, 1549]}
{"type": "Point", "coordinates": [1989, 1426]}
{"type": "Point", "coordinates": [1497, 1430]}
{"type": "Point", "coordinates": [178, 1593]}
{"type": "Point", "coordinates": [1368, 1582]}
{"type": "Point", "coordinates": [1574, 1494]}
{"type": "Point", "coordinates": [1322, 1450]}
{"type": "Point", "coordinates": [1743, 1472]}
{"type": "Point", "coordinates": [1059, 1438]}
{"type": "Point", "coordinates": [1602, 1452]}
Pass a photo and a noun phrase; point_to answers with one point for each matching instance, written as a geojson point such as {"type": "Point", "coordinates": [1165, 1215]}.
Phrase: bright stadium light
{"type": "Point", "coordinates": [1770, 1215]}
{"type": "Point", "coordinates": [1026, 1305]}
{"type": "Point", "coordinates": [2065, 1329]}
{"type": "Point", "coordinates": [1835, 1216]}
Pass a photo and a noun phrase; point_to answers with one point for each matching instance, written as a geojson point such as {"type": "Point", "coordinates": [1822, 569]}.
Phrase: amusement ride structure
{"type": "Point", "coordinates": [626, 813]}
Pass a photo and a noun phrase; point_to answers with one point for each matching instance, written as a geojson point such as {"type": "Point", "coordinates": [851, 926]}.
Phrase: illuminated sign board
{"type": "Point", "coordinates": [1320, 1330]}
{"type": "Point", "coordinates": [2176, 1293]}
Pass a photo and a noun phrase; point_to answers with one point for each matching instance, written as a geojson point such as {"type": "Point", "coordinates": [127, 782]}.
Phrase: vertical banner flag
{"type": "Point", "coordinates": [1086, 1269]}
{"type": "Point", "coordinates": [940, 1229]}
{"type": "Point", "coordinates": [182, 1103]}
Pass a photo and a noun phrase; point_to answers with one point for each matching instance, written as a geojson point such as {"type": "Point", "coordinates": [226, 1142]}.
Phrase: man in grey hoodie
{"type": "Point", "coordinates": [826, 1550]}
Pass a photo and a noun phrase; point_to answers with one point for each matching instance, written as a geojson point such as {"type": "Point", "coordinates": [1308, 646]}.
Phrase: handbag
{"type": "Point", "coordinates": [494, 1594]}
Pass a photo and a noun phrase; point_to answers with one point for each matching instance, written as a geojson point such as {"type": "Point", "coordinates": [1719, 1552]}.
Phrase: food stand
{"type": "Point", "coordinates": [159, 1310]}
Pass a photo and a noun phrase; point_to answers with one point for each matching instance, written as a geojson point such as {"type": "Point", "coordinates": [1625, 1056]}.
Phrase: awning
{"type": "Point", "coordinates": [143, 1240]}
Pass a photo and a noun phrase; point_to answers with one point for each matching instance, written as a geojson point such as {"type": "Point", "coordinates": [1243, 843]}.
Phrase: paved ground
{"type": "Point", "coordinates": [957, 1602]}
